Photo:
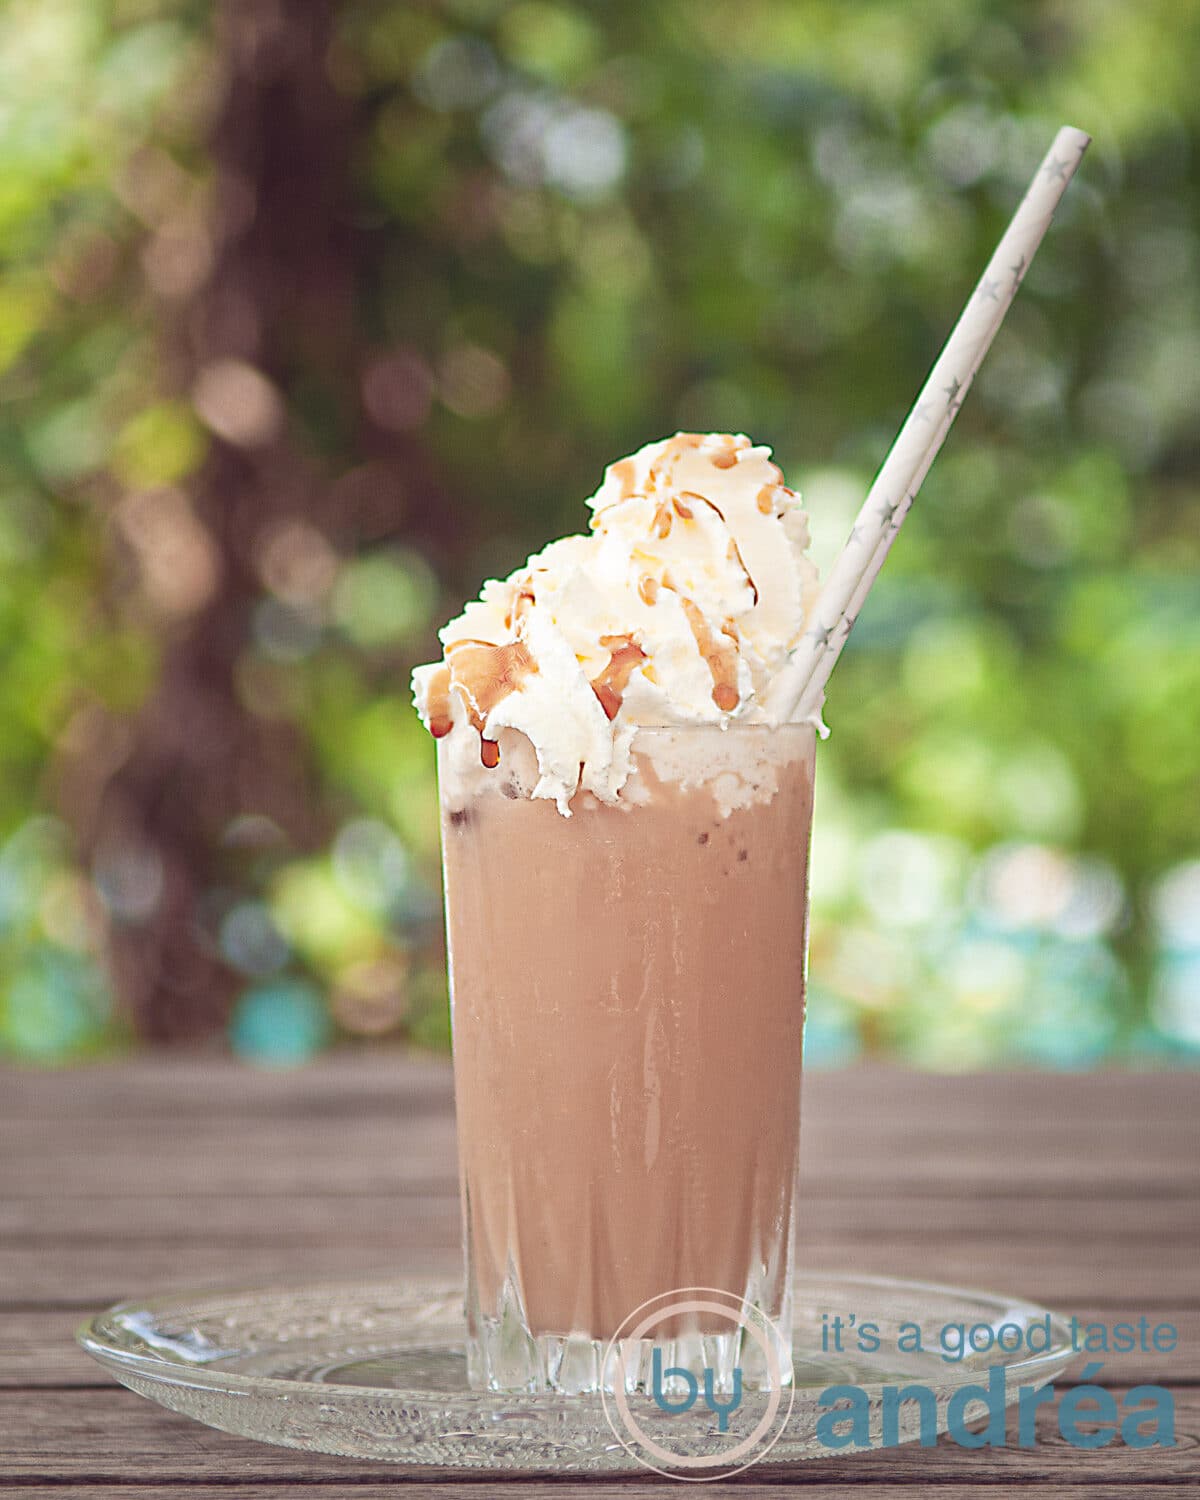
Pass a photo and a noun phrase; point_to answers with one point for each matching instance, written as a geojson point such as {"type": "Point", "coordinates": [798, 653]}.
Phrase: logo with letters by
{"type": "Point", "coordinates": [692, 1420]}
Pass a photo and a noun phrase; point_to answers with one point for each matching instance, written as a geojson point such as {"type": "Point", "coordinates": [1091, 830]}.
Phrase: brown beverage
{"type": "Point", "coordinates": [628, 1000]}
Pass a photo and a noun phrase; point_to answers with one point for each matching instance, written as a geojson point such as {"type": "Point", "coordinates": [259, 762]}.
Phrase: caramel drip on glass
{"type": "Point", "coordinates": [486, 674]}
{"type": "Point", "coordinates": [441, 721]}
{"type": "Point", "coordinates": [610, 685]}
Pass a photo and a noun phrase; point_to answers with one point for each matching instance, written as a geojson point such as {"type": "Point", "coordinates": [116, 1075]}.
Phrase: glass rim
{"type": "Point", "coordinates": [728, 726]}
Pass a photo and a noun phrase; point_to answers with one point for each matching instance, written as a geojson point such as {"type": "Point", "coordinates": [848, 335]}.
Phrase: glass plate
{"type": "Point", "coordinates": [376, 1370]}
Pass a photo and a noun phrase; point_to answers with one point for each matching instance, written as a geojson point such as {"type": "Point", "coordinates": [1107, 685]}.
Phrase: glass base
{"type": "Point", "coordinates": [713, 1334]}
{"type": "Point", "coordinates": [378, 1370]}
{"type": "Point", "coordinates": [503, 1359]}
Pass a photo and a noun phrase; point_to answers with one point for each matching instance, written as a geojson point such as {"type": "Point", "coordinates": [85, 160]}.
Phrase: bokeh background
{"type": "Point", "coordinates": [313, 315]}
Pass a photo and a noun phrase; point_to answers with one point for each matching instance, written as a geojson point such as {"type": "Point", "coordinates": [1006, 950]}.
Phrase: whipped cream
{"type": "Point", "coordinates": [679, 607]}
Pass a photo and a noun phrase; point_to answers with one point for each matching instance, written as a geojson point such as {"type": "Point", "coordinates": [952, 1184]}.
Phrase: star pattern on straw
{"type": "Point", "coordinates": [989, 289]}
{"type": "Point", "coordinates": [952, 390]}
{"type": "Point", "coordinates": [856, 534]}
{"type": "Point", "coordinates": [820, 634]}
{"type": "Point", "coordinates": [1056, 170]}
{"type": "Point", "coordinates": [1018, 271]}
{"type": "Point", "coordinates": [887, 512]}
{"type": "Point", "coordinates": [921, 411]}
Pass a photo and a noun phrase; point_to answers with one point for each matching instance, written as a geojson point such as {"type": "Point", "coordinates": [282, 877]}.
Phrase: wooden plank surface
{"type": "Point", "coordinates": [127, 1178]}
{"type": "Point", "coordinates": [116, 1435]}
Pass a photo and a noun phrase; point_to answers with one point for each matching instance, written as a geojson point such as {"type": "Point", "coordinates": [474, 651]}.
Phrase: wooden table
{"type": "Point", "coordinates": [1079, 1191]}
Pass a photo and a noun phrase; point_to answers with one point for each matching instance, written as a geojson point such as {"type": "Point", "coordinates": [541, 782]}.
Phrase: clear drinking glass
{"type": "Point", "coordinates": [627, 992]}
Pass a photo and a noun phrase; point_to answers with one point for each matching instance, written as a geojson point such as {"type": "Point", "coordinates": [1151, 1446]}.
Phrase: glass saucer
{"type": "Point", "coordinates": [376, 1369]}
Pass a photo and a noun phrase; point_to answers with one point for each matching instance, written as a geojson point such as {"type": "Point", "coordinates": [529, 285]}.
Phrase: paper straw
{"type": "Point", "coordinates": [891, 495]}
{"type": "Point", "coordinates": [810, 698]}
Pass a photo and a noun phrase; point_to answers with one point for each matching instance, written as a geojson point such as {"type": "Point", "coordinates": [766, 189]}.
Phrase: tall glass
{"type": "Point", "coordinates": [627, 991]}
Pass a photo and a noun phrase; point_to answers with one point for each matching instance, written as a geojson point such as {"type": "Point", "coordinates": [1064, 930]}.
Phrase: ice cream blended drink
{"type": "Point", "coordinates": [625, 835]}
{"type": "Point", "coordinates": [626, 766]}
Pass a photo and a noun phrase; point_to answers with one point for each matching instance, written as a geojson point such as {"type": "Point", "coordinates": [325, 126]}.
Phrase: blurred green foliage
{"type": "Point", "coordinates": [592, 225]}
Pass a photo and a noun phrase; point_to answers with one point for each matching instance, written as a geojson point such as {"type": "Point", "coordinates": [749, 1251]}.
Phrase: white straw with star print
{"type": "Point", "coordinates": [801, 682]}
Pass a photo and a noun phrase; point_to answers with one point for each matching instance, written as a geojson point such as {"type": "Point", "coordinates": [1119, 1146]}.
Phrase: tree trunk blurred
{"type": "Point", "coordinates": [215, 771]}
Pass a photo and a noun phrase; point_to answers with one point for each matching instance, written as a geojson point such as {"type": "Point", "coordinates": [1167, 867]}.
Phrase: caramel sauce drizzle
{"type": "Point", "coordinates": [648, 588]}
{"type": "Point", "coordinates": [661, 525]}
{"type": "Point", "coordinates": [673, 449]}
{"type": "Point", "coordinates": [728, 456]}
{"type": "Point", "coordinates": [703, 499]}
{"type": "Point", "coordinates": [441, 721]}
{"type": "Point", "coordinates": [625, 473]}
{"type": "Point", "coordinates": [734, 554]}
{"type": "Point", "coordinates": [610, 685]}
{"type": "Point", "coordinates": [522, 602]}
{"type": "Point", "coordinates": [721, 659]}
{"type": "Point", "coordinates": [622, 472]}
{"type": "Point", "coordinates": [485, 674]}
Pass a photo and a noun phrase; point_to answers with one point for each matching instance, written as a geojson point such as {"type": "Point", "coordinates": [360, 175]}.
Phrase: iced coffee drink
{"type": "Point", "coordinates": [625, 838]}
